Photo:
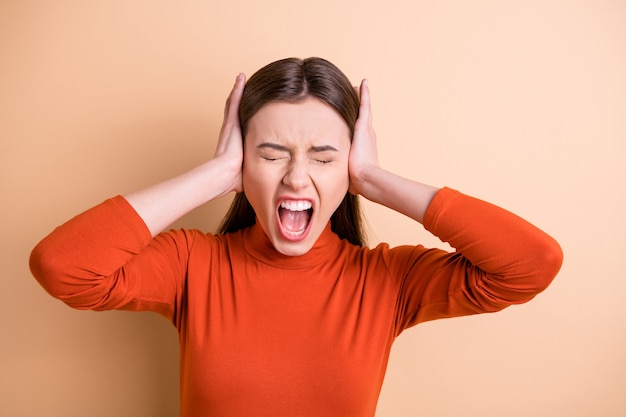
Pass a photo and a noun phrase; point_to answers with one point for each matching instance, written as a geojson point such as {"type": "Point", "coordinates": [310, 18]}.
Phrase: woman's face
{"type": "Point", "coordinates": [295, 170]}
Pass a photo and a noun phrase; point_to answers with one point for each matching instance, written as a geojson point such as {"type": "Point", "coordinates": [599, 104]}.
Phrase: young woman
{"type": "Point", "coordinates": [286, 312]}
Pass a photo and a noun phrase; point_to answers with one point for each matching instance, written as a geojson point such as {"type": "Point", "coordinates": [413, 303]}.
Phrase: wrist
{"type": "Point", "coordinates": [221, 176]}
{"type": "Point", "coordinates": [365, 182]}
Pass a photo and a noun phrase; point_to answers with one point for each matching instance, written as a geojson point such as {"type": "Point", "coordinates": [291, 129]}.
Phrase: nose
{"type": "Point", "coordinates": [297, 175]}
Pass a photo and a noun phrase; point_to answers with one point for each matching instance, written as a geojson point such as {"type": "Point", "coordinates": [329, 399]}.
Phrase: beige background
{"type": "Point", "coordinates": [521, 103]}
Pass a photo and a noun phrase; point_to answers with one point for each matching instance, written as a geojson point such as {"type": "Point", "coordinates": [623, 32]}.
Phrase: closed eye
{"type": "Point", "coordinates": [272, 156]}
{"type": "Point", "coordinates": [267, 158]}
{"type": "Point", "coordinates": [323, 154]}
{"type": "Point", "coordinates": [272, 151]}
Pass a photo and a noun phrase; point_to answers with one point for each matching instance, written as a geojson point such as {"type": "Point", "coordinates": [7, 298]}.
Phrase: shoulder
{"type": "Point", "coordinates": [196, 239]}
{"type": "Point", "coordinates": [393, 259]}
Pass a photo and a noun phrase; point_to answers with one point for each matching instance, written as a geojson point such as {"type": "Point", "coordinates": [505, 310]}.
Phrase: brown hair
{"type": "Point", "coordinates": [293, 80]}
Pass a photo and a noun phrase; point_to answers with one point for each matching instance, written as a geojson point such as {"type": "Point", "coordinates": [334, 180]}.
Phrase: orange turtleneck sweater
{"type": "Point", "coordinates": [265, 334]}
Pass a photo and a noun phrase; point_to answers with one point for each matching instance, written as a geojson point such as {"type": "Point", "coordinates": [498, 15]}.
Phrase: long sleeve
{"type": "Point", "coordinates": [500, 260]}
{"type": "Point", "coordinates": [105, 258]}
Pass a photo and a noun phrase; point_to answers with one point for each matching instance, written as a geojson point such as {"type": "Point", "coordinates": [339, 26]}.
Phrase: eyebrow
{"type": "Point", "coordinates": [275, 146]}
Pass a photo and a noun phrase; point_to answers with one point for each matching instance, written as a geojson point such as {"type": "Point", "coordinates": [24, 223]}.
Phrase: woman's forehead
{"type": "Point", "coordinates": [309, 119]}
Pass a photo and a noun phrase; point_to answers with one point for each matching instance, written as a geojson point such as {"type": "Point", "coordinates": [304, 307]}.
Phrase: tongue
{"type": "Point", "coordinates": [294, 221]}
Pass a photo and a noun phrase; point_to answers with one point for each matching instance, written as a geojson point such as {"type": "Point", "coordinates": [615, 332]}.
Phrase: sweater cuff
{"type": "Point", "coordinates": [131, 218]}
{"type": "Point", "coordinates": [437, 206]}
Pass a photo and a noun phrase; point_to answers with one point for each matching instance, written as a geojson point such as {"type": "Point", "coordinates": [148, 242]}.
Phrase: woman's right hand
{"type": "Point", "coordinates": [161, 204]}
{"type": "Point", "coordinates": [229, 150]}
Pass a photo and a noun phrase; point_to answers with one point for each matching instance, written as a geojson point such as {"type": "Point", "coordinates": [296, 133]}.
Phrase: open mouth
{"type": "Point", "coordinates": [294, 218]}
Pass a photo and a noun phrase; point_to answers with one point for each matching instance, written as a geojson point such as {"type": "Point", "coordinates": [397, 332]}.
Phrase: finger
{"type": "Point", "coordinates": [230, 123]}
{"type": "Point", "coordinates": [365, 109]}
{"type": "Point", "coordinates": [231, 109]}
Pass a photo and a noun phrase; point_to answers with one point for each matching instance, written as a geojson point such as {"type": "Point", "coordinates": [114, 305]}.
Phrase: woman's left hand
{"type": "Point", "coordinates": [368, 179]}
{"type": "Point", "coordinates": [363, 159]}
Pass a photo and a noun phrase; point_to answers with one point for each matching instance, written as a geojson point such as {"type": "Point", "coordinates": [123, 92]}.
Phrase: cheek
{"type": "Point", "coordinates": [340, 172]}
{"type": "Point", "coordinates": [335, 182]}
{"type": "Point", "coordinates": [251, 185]}
{"type": "Point", "coordinates": [246, 175]}
{"type": "Point", "coordinates": [259, 185]}
{"type": "Point", "coordinates": [250, 174]}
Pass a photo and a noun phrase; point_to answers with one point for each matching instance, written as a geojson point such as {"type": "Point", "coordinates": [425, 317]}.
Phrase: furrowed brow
{"type": "Point", "coordinates": [323, 148]}
{"type": "Point", "coordinates": [275, 146]}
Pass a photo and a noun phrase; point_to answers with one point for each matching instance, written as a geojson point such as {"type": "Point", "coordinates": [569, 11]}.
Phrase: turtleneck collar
{"type": "Point", "coordinates": [258, 245]}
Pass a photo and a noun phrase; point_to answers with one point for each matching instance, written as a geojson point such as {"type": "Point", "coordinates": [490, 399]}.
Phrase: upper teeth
{"type": "Point", "coordinates": [296, 205]}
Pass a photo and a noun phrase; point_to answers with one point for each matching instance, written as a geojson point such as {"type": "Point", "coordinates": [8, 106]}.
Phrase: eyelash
{"type": "Point", "coordinates": [319, 161]}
